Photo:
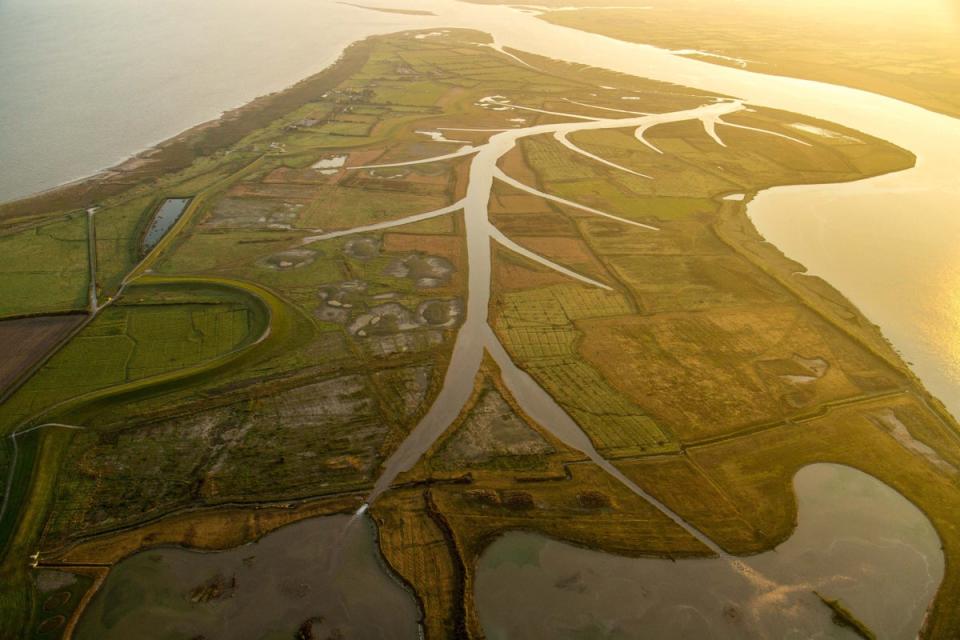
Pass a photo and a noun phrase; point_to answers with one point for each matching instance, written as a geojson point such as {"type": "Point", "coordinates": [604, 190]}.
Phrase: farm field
{"type": "Point", "coordinates": [45, 268]}
{"type": "Point", "coordinates": [154, 331]}
{"type": "Point", "coordinates": [276, 355]}
{"type": "Point", "coordinates": [27, 340]}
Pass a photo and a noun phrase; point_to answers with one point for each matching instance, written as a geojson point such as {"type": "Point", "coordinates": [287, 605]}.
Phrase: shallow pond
{"type": "Point", "coordinates": [323, 572]}
{"type": "Point", "coordinates": [165, 217]}
{"type": "Point", "coordinates": [858, 541]}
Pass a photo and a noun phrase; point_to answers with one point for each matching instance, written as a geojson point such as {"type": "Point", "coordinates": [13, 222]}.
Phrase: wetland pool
{"type": "Point", "coordinates": [323, 573]}
{"type": "Point", "coordinates": [165, 217]}
{"type": "Point", "coordinates": [857, 541]}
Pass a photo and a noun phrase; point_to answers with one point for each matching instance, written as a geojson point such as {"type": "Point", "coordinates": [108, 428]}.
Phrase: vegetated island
{"type": "Point", "coordinates": [262, 362]}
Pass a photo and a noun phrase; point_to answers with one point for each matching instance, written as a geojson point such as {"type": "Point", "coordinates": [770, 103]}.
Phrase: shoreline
{"type": "Point", "coordinates": [804, 291]}
{"type": "Point", "coordinates": [179, 151]}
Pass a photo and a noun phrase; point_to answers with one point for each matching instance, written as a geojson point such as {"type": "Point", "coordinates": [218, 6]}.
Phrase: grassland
{"type": "Point", "coordinates": [649, 348]}
{"type": "Point", "coordinates": [151, 331]}
{"type": "Point", "coordinates": [217, 325]}
{"type": "Point", "coordinates": [45, 268]}
{"type": "Point", "coordinates": [252, 371]}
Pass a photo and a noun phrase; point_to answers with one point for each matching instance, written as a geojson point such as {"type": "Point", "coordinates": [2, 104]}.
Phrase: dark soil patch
{"type": "Point", "coordinates": [25, 341]}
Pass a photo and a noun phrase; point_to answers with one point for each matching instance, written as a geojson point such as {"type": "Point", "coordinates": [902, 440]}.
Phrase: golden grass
{"type": "Point", "coordinates": [711, 373]}
{"type": "Point", "coordinates": [416, 549]}
{"type": "Point", "coordinates": [207, 529]}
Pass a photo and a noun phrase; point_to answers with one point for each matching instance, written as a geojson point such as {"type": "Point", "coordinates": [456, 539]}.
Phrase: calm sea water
{"type": "Point", "coordinates": [84, 84]}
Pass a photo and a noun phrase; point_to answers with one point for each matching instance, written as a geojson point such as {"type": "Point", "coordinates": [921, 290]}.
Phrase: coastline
{"type": "Point", "coordinates": [179, 151]}
{"type": "Point", "coordinates": [810, 288]}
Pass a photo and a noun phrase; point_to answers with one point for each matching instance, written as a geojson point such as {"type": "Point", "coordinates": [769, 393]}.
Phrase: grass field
{"type": "Point", "coordinates": [45, 268]}
{"type": "Point", "coordinates": [136, 339]}
{"type": "Point", "coordinates": [55, 388]}
{"type": "Point", "coordinates": [20, 477]}
{"type": "Point", "coordinates": [27, 340]}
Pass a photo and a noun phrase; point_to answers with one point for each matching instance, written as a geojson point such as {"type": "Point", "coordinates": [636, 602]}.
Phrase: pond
{"type": "Point", "coordinates": [323, 575]}
{"type": "Point", "coordinates": [165, 217]}
{"type": "Point", "coordinates": [858, 541]}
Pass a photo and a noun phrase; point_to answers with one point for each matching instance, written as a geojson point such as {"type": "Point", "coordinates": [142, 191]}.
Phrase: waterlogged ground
{"type": "Point", "coordinates": [883, 563]}
{"type": "Point", "coordinates": [321, 575]}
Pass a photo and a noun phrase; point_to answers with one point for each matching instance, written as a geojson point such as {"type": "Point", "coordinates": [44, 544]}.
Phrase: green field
{"type": "Point", "coordinates": [151, 331]}
{"type": "Point", "coordinates": [45, 268]}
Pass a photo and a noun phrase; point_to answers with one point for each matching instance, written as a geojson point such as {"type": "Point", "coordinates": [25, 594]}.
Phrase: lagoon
{"type": "Point", "coordinates": [293, 578]}
{"type": "Point", "coordinates": [857, 541]}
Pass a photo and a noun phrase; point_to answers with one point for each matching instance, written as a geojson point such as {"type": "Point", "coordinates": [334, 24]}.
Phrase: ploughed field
{"type": "Point", "coordinates": [261, 363]}
{"type": "Point", "coordinates": [25, 341]}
